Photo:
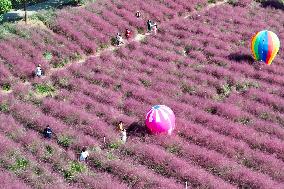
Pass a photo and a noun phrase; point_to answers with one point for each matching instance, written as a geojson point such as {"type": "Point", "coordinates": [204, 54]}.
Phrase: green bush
{"type": "Point", "coordinates": [6, 87]}
{"type": "Point", "coordinates": [44, 89]}
{"type": "Point", "coordinates": [114, 145]}
{"type": "Point", "coordinates": [5, 6]}
{"type": "Point", "coordinates": [73, 169]}
{"type": "Point", "coordinates": [188, 89]}
{"type": "Point", "coordinates": [4, 107]}
{"type": "Point", "coordinates": [20, 164]}
{"type": "Point", "coordinates": [65, 141]}
{"type": "Point", "coordinates": [46, 16]}
{"type": "Point", "coordinates": [47, 56]}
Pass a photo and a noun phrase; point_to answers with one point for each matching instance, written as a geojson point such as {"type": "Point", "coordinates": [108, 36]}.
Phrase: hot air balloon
{"type": "Point", "coordinates": [264, 46]}
{"type": "Point", "coordinates": [160, 119]}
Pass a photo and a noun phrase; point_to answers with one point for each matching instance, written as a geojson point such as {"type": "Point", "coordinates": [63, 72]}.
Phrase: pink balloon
{"type": "Point", "coordinates": [160, 119]}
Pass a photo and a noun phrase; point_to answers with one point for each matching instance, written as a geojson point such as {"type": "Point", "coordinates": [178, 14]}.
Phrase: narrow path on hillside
{"type": "Point", "coordinates": [138, 38]}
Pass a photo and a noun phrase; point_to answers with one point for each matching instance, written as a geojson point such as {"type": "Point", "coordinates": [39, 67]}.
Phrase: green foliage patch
{"type": "Point", "coordinates": [5, 6]}
{"type": "Point", "coordinates": [65, 141]}
{"type": "Point", "coordinates": [44, 88]}
{"type": "Point", "coordinates": [19, 164]}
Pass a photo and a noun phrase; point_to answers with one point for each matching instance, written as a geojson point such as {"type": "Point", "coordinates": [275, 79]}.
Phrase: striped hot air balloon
{"type": "Point", "coordinates": [264, 46]}
{"type": "Point", "coordinates": [160, 119]}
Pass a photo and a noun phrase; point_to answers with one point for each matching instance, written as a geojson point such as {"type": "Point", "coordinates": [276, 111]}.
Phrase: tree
{"type": "Point", "coordinates": [5, 6]}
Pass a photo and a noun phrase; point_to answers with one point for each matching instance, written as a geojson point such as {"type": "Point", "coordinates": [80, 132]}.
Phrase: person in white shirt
{"type": "Point", "coordinates": [123, 135]}
{"type": "Point", "coordinates": [119, 39]}
{"type": "Point", "coordinates": [38, 71]}
{"type": "Point", "coordinates": [84, 154]}
{"type": "Point", "coordinates": [155, 28]}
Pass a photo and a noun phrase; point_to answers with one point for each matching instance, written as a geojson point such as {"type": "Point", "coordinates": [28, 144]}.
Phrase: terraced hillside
{"type": "Point", "coordinates": [229, 109]}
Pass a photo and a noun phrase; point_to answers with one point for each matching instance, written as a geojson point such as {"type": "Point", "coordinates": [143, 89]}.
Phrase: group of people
{"type": "Point", "coordinates": [47, 132]}
{"type": "Point", "coordinates": [151, 26]}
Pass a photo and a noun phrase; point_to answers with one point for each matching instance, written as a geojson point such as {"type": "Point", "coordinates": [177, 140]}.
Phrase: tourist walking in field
{"type": "Point", "coordinates": [155, 28]}
{"type": "Point", "coordinates": [138, 14]}
{"type": "Point", "coordinates": [119, 39]}
{"type": "Point", "coordinates": [149, 25]}
{"type": "Point", "coordinates": [123, 136]}
{"type": "Point", "coordinates": [84, 154]}
{"type": "Point", "coordinates": [47, 132]}
{"type": "Point", "coordinates": [127, 33]}
{"type": "Point", "coordinates": [38, 71]}
{"type": "Point", "coordinates": [122, 131]}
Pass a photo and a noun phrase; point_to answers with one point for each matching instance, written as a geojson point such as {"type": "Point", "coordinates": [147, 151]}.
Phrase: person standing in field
{"type": "Point", "coordinates": [38, 71]}
{"type": "Point", "coordinates": [155, 28]}
{"type": "Point", "coordinates": [119, 39]}
{"type": "Point", "coordinates": [149, 25]}
{"type": "Point", "coordinates": [122, 132]}
{"type": "Point", "coordinates": [127, 33]}
{"type": "Point", "coordinates": [84, 154]}
{"type": "Point", "coordinates": [138, 14]}
{"type": "Point", "coordinates": [47, 132]}
{"type": "Point", "coordinates": [123, 136]}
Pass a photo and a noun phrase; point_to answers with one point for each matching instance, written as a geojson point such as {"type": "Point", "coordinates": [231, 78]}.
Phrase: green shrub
{"type": "Point", "coordinates": [6, 87]}
{"type": "Point", "coordinates": [38, 170]}
{"type": "Point", "coordinates": [211, 1]}
{"type": "Point", "coordinates": [5, 6]}
{"type": "Point", "coordinates": [145, 82]}
{"type": "Point", "coordinates": [49, 149]}
{"type": "Point", "coordinates": [188, 89]}
{"type": "Point", "coordinates": [97, 163]}
{"type": "Point", "coordinates": [61, 63]}
{"type": "Point", "coordinates": [65, 141]}
{"type": "Point", "coordinates": [46, 16]}
{"type": "Point", "coordinates": [114, 145]}
{"type": "Point", "coordinates": [10, 29]}
{"type": "Point", "coordinates": [174, 149]}
{"type": "Point", "coordinates": [20, 164]}
{"type": "Point", "coordinates": [74, 168]}
{"type": "Point", "coordinates": [47, 55]}
{"type": "Point", "coordinates": [4, 107]}
{"type": "Point", "coordinates": [243, 120]}
{"type": "Point", "coordinates": [244, 86]}
{"type": "Point", "coordinates": [77, 167]}
{"type": "Point", "coordinates": [44, 88]}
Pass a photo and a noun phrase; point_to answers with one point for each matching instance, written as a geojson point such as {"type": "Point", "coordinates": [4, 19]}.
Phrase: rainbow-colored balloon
{"type": "Point", "coordinates": [264, 46]}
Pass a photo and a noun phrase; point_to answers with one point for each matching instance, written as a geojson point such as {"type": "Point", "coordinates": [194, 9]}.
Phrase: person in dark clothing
{"type": "Point", "coordinates": [149, 25]}
{"type": "Point", "coordinates": [47, 132]}
{"type": "Point", "coordinates": [138, 14]}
